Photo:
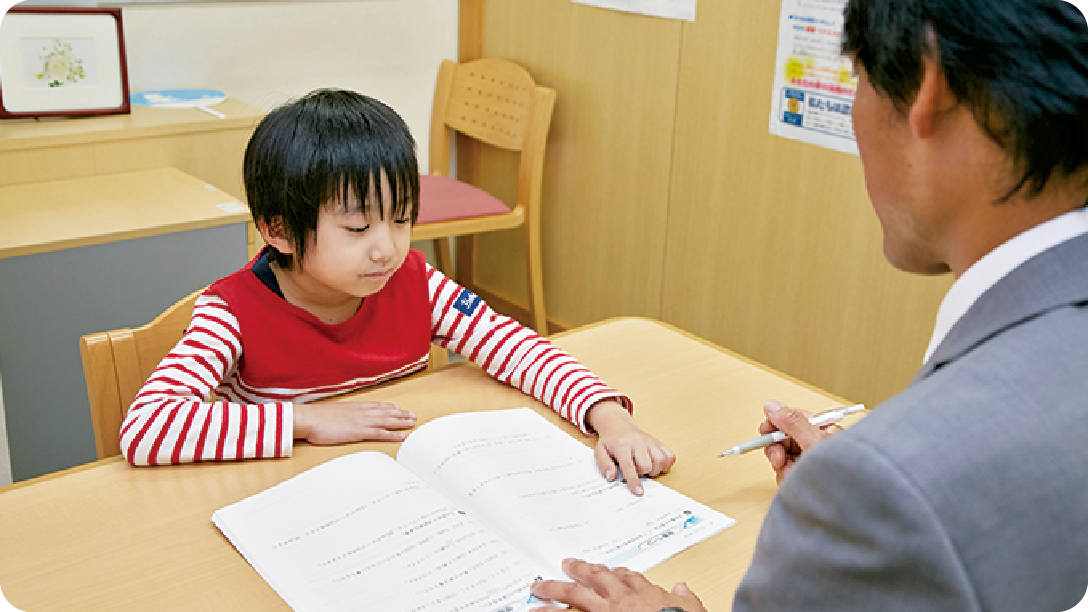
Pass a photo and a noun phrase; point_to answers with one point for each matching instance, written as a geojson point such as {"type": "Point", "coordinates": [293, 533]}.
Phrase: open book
{"type": "Point", "coordinates": [474, 509]}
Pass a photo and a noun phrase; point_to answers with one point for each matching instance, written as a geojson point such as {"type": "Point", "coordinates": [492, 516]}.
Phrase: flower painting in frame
{"type": "Point", "coordinates": [58, 61]}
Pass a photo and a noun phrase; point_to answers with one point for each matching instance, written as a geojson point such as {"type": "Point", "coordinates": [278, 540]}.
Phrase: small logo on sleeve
{"type": "Point", "coordinates": [467, 302]}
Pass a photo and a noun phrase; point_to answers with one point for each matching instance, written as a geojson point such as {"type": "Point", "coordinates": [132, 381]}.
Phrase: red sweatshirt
{"type": "Point", "coordinates": [226, 390]}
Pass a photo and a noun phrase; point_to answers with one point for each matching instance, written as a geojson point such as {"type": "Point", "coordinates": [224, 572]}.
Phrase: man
{"type": "Point", "coordinates": [969, 490]}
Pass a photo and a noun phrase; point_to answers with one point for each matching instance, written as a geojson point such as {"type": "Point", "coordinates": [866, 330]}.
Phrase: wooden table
{"type": "Point", "coordinates": [107, 536]}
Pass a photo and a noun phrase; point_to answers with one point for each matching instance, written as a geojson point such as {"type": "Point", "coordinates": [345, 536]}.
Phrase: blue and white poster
{"type": "Point", "coordinates": [814, 85]}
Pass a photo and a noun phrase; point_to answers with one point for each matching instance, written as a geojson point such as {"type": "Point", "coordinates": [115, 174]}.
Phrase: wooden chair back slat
{"type": "Point", "coordinates": [117, 363]}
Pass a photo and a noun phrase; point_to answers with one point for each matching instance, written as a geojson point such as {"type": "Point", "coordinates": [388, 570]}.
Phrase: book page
{"type": "Point", "coordinates": [540, 489]}
{"type": "Point", "coordinates": [362, 533]}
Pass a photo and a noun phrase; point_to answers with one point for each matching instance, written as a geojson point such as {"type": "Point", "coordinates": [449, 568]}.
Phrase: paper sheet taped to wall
{"type": "Point", "coordinates": [672, 9]}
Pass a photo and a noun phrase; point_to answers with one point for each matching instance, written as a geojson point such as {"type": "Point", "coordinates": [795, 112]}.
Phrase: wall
{"type": "Point", "coordinates": [666, 197]}
{"type": "Point", "coordinates": [265, 53]}
{"type": "Point", "coordinates": [607, 166]}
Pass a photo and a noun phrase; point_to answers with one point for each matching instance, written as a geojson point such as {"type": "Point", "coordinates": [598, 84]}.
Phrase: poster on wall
{"type": "Point", "coordinates": [672, 9]}
{"type": "Point", "coordinates": [814, 85]}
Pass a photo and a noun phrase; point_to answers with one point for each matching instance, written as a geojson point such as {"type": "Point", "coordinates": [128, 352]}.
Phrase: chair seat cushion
{"type": "Point", "coordinates": [444, 199]}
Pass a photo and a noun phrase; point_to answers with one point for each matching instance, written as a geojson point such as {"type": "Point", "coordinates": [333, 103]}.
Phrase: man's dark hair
{"type": "Point", "coordinates": [318, 151]}
{"type": "Point", "coordinates": [1021, 66]}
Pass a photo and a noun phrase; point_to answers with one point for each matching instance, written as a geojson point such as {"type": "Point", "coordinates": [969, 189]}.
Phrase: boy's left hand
{"type": "Point", "coordinates": [621, 442]}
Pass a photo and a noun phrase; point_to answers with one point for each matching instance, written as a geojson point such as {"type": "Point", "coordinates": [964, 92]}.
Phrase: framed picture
{"type": "Point", "coordinates": [57, 61]}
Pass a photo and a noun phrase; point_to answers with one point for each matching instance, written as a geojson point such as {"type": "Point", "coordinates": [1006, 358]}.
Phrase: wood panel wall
{"type": "Point", "coordinates": [607, 164]}
{"type": "Point", "coordinates": [665, 196]}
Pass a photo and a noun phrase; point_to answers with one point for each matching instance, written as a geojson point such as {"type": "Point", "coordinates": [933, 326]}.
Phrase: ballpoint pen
{"type": "Point", "coordinates": [820, 419]}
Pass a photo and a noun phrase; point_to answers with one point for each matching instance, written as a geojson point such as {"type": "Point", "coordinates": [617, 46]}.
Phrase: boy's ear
{"type": "Point", "coordinates": [275, 235]}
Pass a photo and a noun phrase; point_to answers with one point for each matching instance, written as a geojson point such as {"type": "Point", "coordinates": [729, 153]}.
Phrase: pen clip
{"type": "Point", "coordinates": [844, 409]}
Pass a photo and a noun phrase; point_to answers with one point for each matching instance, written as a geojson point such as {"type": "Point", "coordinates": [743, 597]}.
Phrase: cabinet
{"type": "Point", "coordinates": [85, 255]}
{"type": "Point", "coordinates": [188, 139]}
{"type": "Point", "coordinates": [104, 222]}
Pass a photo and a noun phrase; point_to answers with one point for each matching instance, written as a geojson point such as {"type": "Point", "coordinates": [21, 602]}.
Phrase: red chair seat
{"type": "Point", "coordinates": [445, 199]}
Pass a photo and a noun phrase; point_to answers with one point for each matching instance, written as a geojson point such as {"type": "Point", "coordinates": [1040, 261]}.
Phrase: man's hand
{"type": "Point", "coordinates": [802, 435]}
{"type": "Point", "coordinates": [599, 589]}
{"type": "Point", "coordinates": [344, 422]}
{"type": "Point", "coordinates": [620, 441]}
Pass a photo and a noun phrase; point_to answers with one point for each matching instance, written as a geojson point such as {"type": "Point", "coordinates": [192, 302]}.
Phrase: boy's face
{"type": "Point", "coordinates": [355, 254]}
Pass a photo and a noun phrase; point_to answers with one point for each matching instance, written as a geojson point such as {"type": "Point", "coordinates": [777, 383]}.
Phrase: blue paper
{"type": "Point", "coordinates": [178, 98]}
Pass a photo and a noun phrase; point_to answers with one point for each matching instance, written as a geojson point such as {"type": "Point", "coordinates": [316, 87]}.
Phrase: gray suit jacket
{"type": "Point", "coordinates": [969, 490]}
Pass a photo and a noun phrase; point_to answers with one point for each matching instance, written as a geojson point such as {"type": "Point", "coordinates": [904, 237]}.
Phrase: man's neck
{"type": "Point", "coordinates": [994, 223]}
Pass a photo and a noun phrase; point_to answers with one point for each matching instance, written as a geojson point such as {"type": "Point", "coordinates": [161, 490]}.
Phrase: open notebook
{"type": "Point", "coordinates": [474, 509]}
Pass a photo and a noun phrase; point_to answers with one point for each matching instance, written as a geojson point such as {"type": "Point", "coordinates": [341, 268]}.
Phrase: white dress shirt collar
{"type": "Point", "coordinates": [999, 262]}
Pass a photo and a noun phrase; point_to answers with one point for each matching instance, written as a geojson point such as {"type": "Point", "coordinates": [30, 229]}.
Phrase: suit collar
{"type": "Point", "coordinates": [1055, 278]}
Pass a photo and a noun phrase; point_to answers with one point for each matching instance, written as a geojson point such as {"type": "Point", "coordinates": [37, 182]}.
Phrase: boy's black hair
{"type": "Point", "coordinates": [1021, 66]}
{"type": "Point", "coordinates": [316, 150]}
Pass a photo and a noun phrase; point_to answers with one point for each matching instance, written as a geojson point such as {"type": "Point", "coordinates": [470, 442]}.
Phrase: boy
{"type": "Point", "coordinates": [338, 302]}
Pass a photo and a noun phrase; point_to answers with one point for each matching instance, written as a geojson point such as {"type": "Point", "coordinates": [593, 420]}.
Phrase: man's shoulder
{"type": "Point", "coordinates": [1030, 373]}
{"type": "Point", "coordinates": [999, 415]}
{"type": "Point", "coordinates": [986, 445]}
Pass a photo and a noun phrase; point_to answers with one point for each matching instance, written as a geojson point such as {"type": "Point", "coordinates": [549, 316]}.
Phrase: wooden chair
{"type": "Point", "coordinates": [498, 103]}
{"type": "Point", "coordinates": [116, 364]}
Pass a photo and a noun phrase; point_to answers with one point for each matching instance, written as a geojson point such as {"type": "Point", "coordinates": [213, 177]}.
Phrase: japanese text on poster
{"type": "Point", "coordinates": [814, 85]}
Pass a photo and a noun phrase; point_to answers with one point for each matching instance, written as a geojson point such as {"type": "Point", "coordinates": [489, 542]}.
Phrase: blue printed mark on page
{"type": "Point", "coordinates": [670, 527]}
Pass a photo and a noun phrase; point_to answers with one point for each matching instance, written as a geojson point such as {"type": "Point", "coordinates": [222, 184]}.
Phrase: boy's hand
{"type": "Point", "coordinates": [620, 441]}
{"type": "Point", "coordinates": [344, 422]}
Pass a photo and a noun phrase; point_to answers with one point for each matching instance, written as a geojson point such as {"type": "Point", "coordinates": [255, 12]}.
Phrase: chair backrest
{"type": "Point", "coordinates": [117, 363]}
{"type": "Point", "coordinates": [496, 102]}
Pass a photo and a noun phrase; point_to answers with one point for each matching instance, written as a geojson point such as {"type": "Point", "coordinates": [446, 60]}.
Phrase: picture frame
{"type": "Point", "coordinates": [62, 61]}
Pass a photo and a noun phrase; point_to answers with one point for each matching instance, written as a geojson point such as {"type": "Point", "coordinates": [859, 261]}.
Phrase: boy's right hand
{"type": "Point", "coordinates": [344, 422]}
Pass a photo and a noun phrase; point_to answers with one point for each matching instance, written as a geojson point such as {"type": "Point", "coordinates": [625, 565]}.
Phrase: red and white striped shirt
{"type": "Point", "coordinates": [226, 389]}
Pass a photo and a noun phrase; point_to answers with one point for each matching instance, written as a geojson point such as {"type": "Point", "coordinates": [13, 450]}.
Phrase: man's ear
{"type": "Point", "coordinates": [934, 99]}
{"type": "Point", "coordinates": [275, 235]}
